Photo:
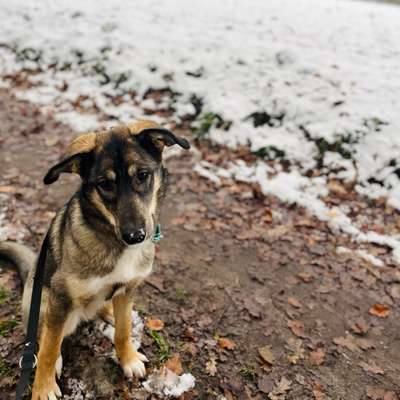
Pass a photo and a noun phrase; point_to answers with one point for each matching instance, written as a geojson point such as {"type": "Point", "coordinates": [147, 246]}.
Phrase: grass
{"type": "Point", "coordinates": [180, 294]}
{"type": "Point", "coordinates": [162, 344]}
{"type": "Point", "coordinates": [208, 121]}
{"type": "Point", "coordinates": [248, 373]}
{"type": "Point", "coordinates": [3, 295]}
{"type": "Point", "coordinates": [7, 325]}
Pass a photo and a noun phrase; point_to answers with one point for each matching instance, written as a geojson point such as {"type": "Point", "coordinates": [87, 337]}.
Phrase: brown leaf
{"type": "Point", "coordinates": [360, 326]}
{"type": "Point", "coordinates": [364, 344]}
{"type": "Point", "coordinates": [225, 343]}
{"type": "Point", "coordinates": [280, 389]}
{"type": "Point", "coordinates": [371, 367]}
{"type": "Point", "coordinates": [390, 396]}
{"type": "Point", "coordinates": [296, 347]}
{"type": "Point", "coordinates": [294, 302]}
{"type": "Point", "coordinates": [155, 324]}
{"type": "Point", "coordinates": [7, 189]}
{"type": "Point", "coordinates": [375, 393]}
{"type": "Point", "coordinates": [174, 364]}
{"type": "Point", "coordinates": [348, 342]}
{"type": "Point", "coordinates": [380, 310]}
{"type": "Point", "coordinates": [211, 367]}
{"type": "Point", "coordinates": [317, 356]}
{"type": "Point", "coordinates": [266, 354]}
{"type": "Point", "coordinates": [305, 276]}
{"type": "Point", "coordinates": [297, 327]}
{"type": "Point", "coordinates": [265, 384]}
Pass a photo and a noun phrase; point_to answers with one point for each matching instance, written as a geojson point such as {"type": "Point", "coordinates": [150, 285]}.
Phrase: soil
{"type": "Point", "coordinates": [255, 298]}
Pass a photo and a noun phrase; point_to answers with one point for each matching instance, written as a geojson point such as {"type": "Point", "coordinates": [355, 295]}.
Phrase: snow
{"type": "Point", "coordinates": [108, 330]}
{"type": "Point", "coordinates": [323, 74]}
{"type": "Point", "coordinates": [165, 382]}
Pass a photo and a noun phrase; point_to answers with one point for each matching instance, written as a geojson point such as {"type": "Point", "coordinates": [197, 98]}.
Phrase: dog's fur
{"type": "Point", "coordinates": [90, 270]}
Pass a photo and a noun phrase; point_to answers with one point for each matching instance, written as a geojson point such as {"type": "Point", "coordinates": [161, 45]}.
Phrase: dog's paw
{"type": "Point", "coordinates": [107, 314]}
{"type": "Point", "coordinates": [46, 390]}
{"type": "Point", "coordinates": [59, 365]}
{"type": "Point", "coordinates": [134, 364]}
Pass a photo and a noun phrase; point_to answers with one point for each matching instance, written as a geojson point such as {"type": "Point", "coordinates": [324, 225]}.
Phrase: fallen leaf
{"type": "Point", "coordinates": [317, 356]}
{"type": "Point", "coordinates": [174, 364]}
{"type": "Point", "coordinates": [280, 389]}
{"type": "Point", "coordinates": [225, 343]}
{"type": "Point", "coordinates": [380, 310]}
{"type": "Point", "coordinates": [348, 341]}
{"type": "Point", "coordinates": [371, 366]}
{"type": "Point", "coordinates": [294, 302]}
{"type": "Point", "coordinates": [266, 354]}
{"type": "Point", "coordinates": [7, 189]}
{"type": "Point", "coordinates": [265, 384]}
{"type": "Point", "coordinates": [211, 367]}
{"type": "Point", "coordinates": [155, 324]}
{"type": "Point", "coordinates": [51, 140]}
{"type": "Point", "coordinates": [390, 396]}
{"type": "Point", "coordinates": [305, 276]}
{"type": "Point", "coordinates": [364, 344]}
{"type": "Point", "coordinates": [296, 347]}
{"type": "Point", "coordinates": [297, 327]}
{"type": "Point", "coordinates": [375, 393]}
{"type": "Point", "coordinates": [360, 326]}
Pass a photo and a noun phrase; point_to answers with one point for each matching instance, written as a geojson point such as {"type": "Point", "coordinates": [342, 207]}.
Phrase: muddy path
{"type": "Point", "coordinates": [255, 298]}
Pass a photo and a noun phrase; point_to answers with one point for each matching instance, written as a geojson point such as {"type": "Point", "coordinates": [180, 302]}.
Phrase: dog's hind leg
{"type": "Point", "coordinates": [132, 362]}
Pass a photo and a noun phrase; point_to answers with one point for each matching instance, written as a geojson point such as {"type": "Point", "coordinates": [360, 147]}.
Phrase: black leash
{"type": "Point", "coordinates": [28, 360]}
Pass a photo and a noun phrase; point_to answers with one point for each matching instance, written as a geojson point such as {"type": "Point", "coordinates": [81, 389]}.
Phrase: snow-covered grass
{"type": "Point", "coordinates": [312, 83]}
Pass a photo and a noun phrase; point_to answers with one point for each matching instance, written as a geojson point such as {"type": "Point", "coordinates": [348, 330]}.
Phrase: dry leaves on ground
{"type": "Point", "coordinates": [380, 310]}
{"type": "Point", "coordinates": [225, 343]}
{"type": "Point", "coordinates": [155, 324]}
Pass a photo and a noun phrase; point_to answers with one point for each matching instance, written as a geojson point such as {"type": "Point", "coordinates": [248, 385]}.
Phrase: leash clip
{"type": "Point", "coordinates": [30, 353]}
{"type": "Point", "coordinates": [34, 361]}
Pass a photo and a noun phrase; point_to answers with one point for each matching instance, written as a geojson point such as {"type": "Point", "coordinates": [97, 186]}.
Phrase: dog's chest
{"type": "Point", "coordinates": [131, 265]}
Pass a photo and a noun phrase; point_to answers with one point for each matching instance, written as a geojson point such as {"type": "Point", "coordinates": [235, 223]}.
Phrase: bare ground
{"type": "Point", "coordinates": [233, 265]}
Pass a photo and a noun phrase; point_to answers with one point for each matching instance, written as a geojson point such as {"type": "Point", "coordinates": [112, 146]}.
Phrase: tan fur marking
{"type": "Point", "coordinates": [49, 350]}
{"type": "Point", "coordinates": [131, 170]}
{"type": "Point", "coordinates": [82, 144]}
{"type": "Point", "coordinates": [136, 127]}
{"type": "Point", "coordinates": [153, 203]}
{"type": "Point", "coordinates": [102, 208]}
{"type": "Point", "coordinates": [122, 306]}
{"type": "Point", "coordinates": [110, 174]}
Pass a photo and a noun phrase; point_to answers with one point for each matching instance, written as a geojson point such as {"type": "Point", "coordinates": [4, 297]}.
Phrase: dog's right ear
{"type": "Point", "coordinates": [73, 157]}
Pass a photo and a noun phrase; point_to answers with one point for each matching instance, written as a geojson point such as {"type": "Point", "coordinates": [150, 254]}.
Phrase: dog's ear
{"type": "Point", "coordinates": [73, 158]}
{"type": "Point", "coordinates": [160, 137]}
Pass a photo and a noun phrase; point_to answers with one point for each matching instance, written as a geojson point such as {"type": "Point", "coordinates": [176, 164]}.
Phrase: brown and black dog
{"type": "Point", "coordinates": [100, 243]}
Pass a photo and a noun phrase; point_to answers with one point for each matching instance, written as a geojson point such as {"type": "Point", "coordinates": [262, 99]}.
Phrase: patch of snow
{"type": "Point", "coordinates": [362, 254]}
{"type": "Point", "coordinates": [165, 382]}
{"type": "Point", "coordinates": [108, 330]}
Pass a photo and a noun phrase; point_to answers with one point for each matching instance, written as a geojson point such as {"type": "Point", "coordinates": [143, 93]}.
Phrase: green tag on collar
{"type": "Point", "coordinates": [157, 236]}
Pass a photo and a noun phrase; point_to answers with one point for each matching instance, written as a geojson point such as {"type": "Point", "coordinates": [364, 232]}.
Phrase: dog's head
{"type": "Point", "coordinates": [122, 175]}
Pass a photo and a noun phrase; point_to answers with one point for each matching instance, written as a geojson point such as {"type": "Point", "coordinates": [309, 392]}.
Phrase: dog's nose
{"type": "Point", "coordinates": [134, 237]}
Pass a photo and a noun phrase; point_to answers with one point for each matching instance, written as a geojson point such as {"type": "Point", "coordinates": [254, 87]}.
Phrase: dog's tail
{"type": "Point", "coordinates": [21, 256]}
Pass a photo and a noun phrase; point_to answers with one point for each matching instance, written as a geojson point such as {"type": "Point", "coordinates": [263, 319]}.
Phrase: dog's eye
{"type": "Point", "coordinates": [106, 186]}
{"type": "Point", "coordinates": [143, 175]}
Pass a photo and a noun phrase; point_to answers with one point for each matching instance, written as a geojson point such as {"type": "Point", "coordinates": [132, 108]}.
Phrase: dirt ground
{"type": "Point", "coordinates": [256, 301]}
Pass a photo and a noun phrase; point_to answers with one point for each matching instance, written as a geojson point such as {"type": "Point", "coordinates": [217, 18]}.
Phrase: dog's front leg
{"type": "Point", "coordinates": [45, 386]}
{"type": "Point", "coordinates": [132, 362]}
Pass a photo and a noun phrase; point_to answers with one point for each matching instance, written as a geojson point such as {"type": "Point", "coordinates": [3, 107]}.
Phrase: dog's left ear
{"type": "Point", "coordinates": [160, 137]}
{"type": "Point", "coordinates": [72, 160]}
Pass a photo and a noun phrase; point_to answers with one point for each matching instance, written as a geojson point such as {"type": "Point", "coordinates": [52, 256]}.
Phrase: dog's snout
{"type": "Point", "coordinates": [133, 237]}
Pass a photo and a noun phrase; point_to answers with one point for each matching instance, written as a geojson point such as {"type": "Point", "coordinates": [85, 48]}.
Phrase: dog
{"type": "Point", "coordinates": [99, 244]}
